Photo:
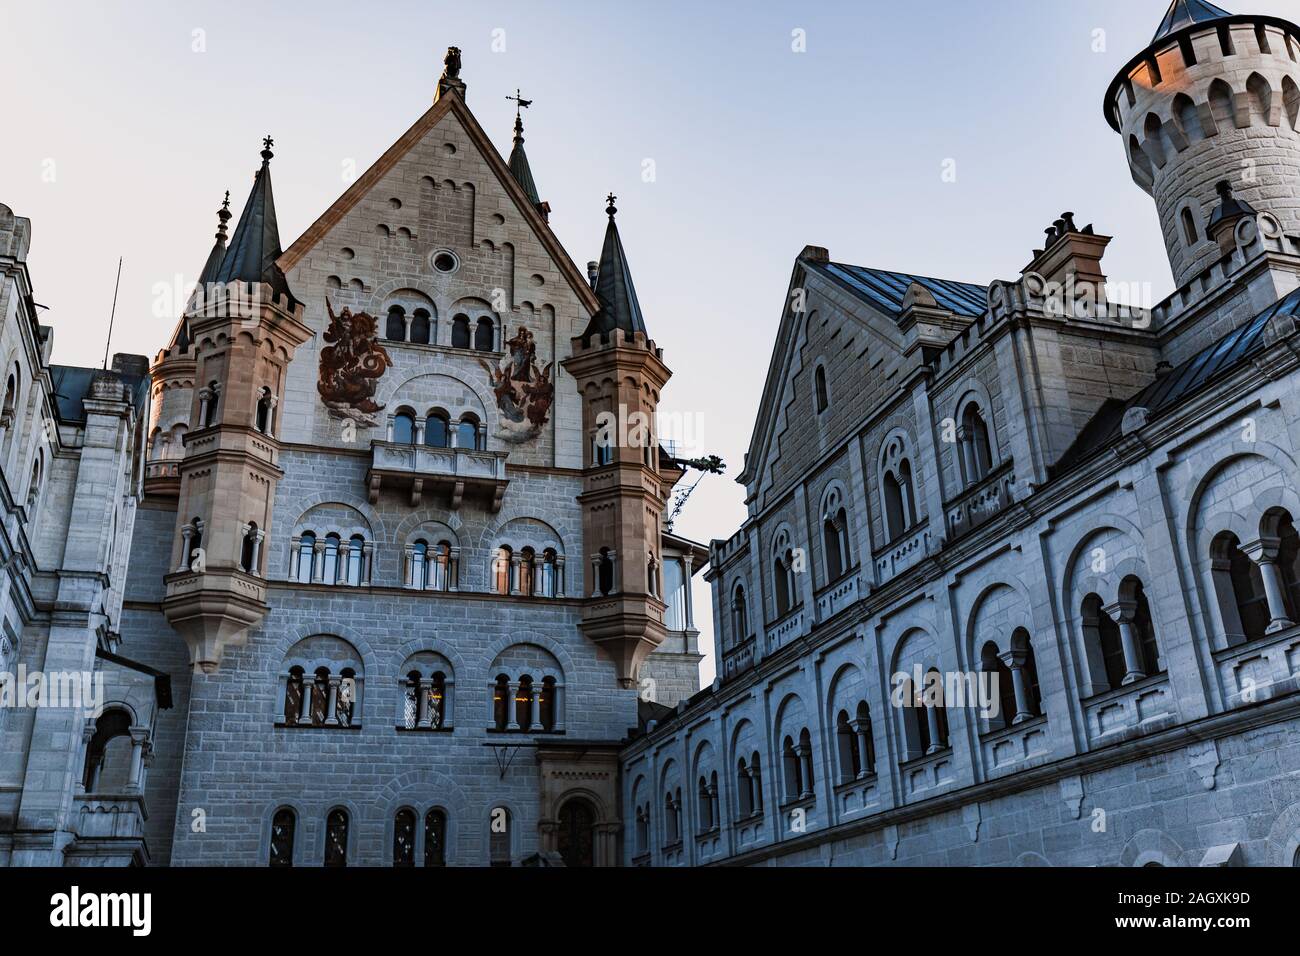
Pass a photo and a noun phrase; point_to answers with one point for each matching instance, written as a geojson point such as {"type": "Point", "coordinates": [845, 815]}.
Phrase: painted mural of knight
{"type": "Point", "coordinates": [523, 389]}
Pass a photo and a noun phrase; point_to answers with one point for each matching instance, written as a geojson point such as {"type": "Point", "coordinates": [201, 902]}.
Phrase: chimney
{"type": "Point", "coordinates": [1069, 265]}
{"type": "Point", "coordinates": [593, 270]}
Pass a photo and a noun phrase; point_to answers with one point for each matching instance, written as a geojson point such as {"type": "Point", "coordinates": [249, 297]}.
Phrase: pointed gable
{"type": "Point", "coordinates": [448, 106]}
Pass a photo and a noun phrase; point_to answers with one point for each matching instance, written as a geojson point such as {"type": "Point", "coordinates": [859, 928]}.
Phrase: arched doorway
{"type": "Point", "coordinates": [576, 837]}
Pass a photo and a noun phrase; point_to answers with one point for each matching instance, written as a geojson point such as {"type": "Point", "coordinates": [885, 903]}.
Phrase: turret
{"type": "Point", "coordinates": [620, 374]}
{"type": "Point", "coordinates": [245, 326]}
{"type": "Point", "coordinates": [1213, 98]}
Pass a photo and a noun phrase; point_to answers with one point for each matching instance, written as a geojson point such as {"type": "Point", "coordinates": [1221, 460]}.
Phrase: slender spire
{"type": "Point", "coordinates": [519, 168]}
{"type": "Point", "coordinates": [619, 307]}
{"type": "Point", "coordinates": [181, 334]}
{"type": "Point", "coordinates": [1183, 13]}
{"type": "Point", "coordinates": [256, 243]}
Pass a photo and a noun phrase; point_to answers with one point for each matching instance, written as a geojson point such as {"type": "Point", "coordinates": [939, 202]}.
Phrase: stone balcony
{"type": "Point", "coordinates": [784, 631]}
{"type": "Point", "coordinates": [110, 830]}
{"type": "Point", "coordinates": [1014, 748]}
{"type": "Point", "coordinates": [903, 552]}
{"type": "Point", "coordinates": [837, 596]}
{"type": "Point", "coordinates": [739, 657]}
{"type": "Point", "coordinates": [1133, 710]}
{"type": "Point", "coordinates": [1260, 670]}
{"type": "Point", "coordinates": [162, 476]}
{"type": "Point", "coordinates": [980, 502]}
{"type": "Point", "coordinates": [450, 471]}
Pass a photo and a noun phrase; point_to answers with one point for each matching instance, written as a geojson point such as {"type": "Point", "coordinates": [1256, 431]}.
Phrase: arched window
{"type": "Point", "coordinates": [1291, 100]}
{"type": "Point", "coordinates": [501, 702]}
{"type": "Point", "coordinates": [976, 451]}
{"type": "Point", "coordinates": [1223, 105]}
{"type": "Point", "coordinates": [1278, 524]}
{"type": "Point", "coordinates": [501, 569]}
{"type": "Point", "coordinates": [336, 838]}
{"type": "Point", "coordinates": [1143, 626]}
{"type": "Point", "coordinates": [420, 327]}
{"type": "Point", "coordinates": [672, 820]}
{"type": "Point", "coordinates": [404, 837]}
{"type": "Point", "coordinates": [524, 703]}
{"type": "Point", "coordinates": [1188, 117]}
{"type": "Point", "coordinates": [248, 548]}
{"type": "Point", "coordinates": [1190, 236]}
{"type": "Point", "coordinates": [356, 554]}
{"type": "Point", "coordinates": [642, 831]}
{"type": "Point", "coordinates": [467, 432]}
{"type": "Point", "coordinates": [484, 335]}
{"type": "Point", "coordinates": [792, 766]}
{"type": "Point", "coordinates": [499, 837]}
{"type": "Point", "coordinates": [823, 396]}
{"type": "Point", "coordinates": [526, 568]}
{"type": "Point", "coordinates": [549, 573]}
{"type": "Point", "coordinates": [1139, 162]}
{"type": "Point", "coordinates": [330, 574]}
{"type": "Point", "coordinates": [991, 663]}
{"type": "Point", "coordinates": [265, 404]}
{"type": "Point", "coordinates": [306, 557]}
{"type": "Point", "coordinates": [293, 698]}
{"type": "Point", "coordinates": [744, 791]}
{"type": "Point", "coordinates": [420, 565]}
{"type": "Point", "coordinates": [395, 329]}
{"type": "Point", "coordinates": [739, 615]}
{"type": "Point", "coordinates": [435, 838]}
{"type": "Point", "coordinates": [460, 337]}
{"type": "Point", "coordinates": [108, 754]}
{"type": "Point", "coordinates": [605, 571]}
{"type": "Point", "coordinates": [1102, 637]}
{"type": "Point", "coordinates": [438, 566]}
{"type": "Point", "coordinates": [704, 800]}
{"type": "Point", "coordinates": [835, 537]}
{"type": "Point", "coordinates": [846, 744]}
{"type": "Point", "coordinates": [602, 448]}
{"type": "Point", "coordinates": [404, 427]}
{"type": "Point", "coordinates": [896, 488]}
{"type": "Point", "coordinates": [546, 704]}
{"type": "Point", "coordinates": [283, 825]}
{"type": "Point", "coordinates": [437, 430]}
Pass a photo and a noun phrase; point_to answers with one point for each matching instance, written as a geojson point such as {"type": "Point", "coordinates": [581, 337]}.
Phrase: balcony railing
{"type": "Point", "coordinates": [785, 630]}
{"type": "Point", "coordinates": [837, 596]}
{"type": "Point", "coordinates": [981, 501]}
{"type": "Point", "coordinates": [452, 471]}
{"type": "Point", "coordinates": [739, 657]}
{"type": "Point", "coordinates": [1131, 711]}
{"type": "Point", "coordinates": [903, 552]}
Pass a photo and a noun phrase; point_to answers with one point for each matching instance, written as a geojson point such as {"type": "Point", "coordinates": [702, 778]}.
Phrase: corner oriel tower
{"type": "Point", "coordinates": [243, 327]}
{"type": "Point", "coordinates": [620, 374]}
{"type": "Point", "coordinates": [1214, 98]}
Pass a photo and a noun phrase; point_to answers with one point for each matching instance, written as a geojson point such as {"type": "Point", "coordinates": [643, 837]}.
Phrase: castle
{"type": "Point", "coordinates": [1019, 580]}
{"type": "Point", "coordinates": [356, 575]}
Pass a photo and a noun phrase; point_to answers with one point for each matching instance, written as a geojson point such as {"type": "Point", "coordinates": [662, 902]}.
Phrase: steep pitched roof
{"type": "Point", "coordinates": [256, 244]}
{"type": "Point", "coordinates": [619, 307]}
{"type": "Point", "coordinates": [181, 334]}
{"type": "Point", "coordinates": [519, 168]}
{"type": "Point", "coordinates": [449, 101]}
{"type": "Point", "coordinates": [1183, 13]}
{"type": "Point", "coordinates": [1177, 385]}
{"type": "Point", "coordinates": [885, 291]}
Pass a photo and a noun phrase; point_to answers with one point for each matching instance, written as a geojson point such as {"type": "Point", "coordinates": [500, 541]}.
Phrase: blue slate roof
{"type": "Point", "coordinates": [885, 291]}
{"type": "Point", "coordinates": [1177, 385]}
{"type": "Point", "coordinates": [619, 306]}
{"type": "Point", "coordinates": [1184, 13]}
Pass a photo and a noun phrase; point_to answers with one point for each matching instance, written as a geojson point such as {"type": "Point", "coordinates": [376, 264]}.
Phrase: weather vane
{"type": "Point", "coordinates": [519, 101]}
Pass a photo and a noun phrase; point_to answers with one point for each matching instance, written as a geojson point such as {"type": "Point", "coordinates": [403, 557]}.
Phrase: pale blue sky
{"type": "Point", "coordinates": [757, 150]}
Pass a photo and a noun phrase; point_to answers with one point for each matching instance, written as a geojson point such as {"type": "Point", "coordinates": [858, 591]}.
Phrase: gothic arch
{"type": "Point", "coordinates": [501, 644]}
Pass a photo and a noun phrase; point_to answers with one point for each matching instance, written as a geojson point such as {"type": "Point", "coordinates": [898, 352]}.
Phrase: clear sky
{"type": "Point", "coordinates": [126, 121]}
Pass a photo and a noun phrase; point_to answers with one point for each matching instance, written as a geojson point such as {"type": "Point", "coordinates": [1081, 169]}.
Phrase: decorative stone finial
{"type": "Point", "coordinates": [611, 209]}
{"type": "Point", "coordinates": [451, 64]}
{"type": "Point", "coordinates": [267, 143]}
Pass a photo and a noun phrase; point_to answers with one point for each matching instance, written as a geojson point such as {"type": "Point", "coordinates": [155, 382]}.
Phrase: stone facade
{"type": "Point", "coordinates": [1081, 509]}
{"type": "Point", "coordinates": [366, 623]}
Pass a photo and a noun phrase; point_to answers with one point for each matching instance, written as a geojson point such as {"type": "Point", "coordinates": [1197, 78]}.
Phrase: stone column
{"type": "Point", "coordinates": [295, 548]}
{"type": "Point", "coordinates": [932, 722]}
{"type": "Point", "coordinates": [453, 570]}
{"type": "Point", "coordinates": [1015, 661]}
{"type": "Point", "coordinates": [1264, 552]}
{"type": "Point", "coordinates": [205, 397]}
{"type": "Point", "coordinates": [419, 431]}
{"type": "Point", "coordinates": [187, 532]}
{"type": "Point", "coordinates": [331, 702]}
{"type": "Point", "coordinates": [318, 563]}
{"type": "Point", "coordinates": [559, 575]}
{"type": "Point", "coordinates": [806, 769]}
{"type": "Point", "coordinates": [258, 537]}
{"type": "Point", "coordinates": [1123, 612]}
{"type": "Point", "coordinates": [688, 601]}
{"type": "Point", "coordinates": [367, 561]}
{"type": "Point", "coordinates": [139, 736]}
{"type": "Point", "coordinates": [613, 559]}
{"type": "Point", "coordinates": [595, 575]}
{"type": "Point", "coordinates": [388, 432]}
{"type": "Point", "coordinates": [345, 566]}
{"type": "Point", "coordinates": [87, 734]}
{"type": "Point", "coordinates": [308, 693]}
{"type": "Point", "coordinates": [534, 707]}
{"type": "Point", "coordinates": [862, 737]}
{"type": "Point", "coordinates": [448, 696]}
{"type": "Point", "coordinates": [512, 713]}
{"type": "Point", "coordinates": [408, 566]}
{"type": "Point", "coordinates": [558, 705]}
{"type": "Point", "coordinates": [514, 574]}
{"type": "Point", "coordinates": [423, 710]}
{"type": "Point", "coordinates": [284, 696]}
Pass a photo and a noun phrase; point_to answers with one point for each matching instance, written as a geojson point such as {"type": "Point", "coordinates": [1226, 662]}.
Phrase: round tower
{"type": "Point", "coordinates": [1215, 97]}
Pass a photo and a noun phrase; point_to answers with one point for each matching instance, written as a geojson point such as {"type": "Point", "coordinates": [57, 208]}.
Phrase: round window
{"type": "Point", "coordinates": [444, 261]}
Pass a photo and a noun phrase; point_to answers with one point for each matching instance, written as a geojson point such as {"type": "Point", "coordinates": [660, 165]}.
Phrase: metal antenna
{"type": "Point", "coordinates": [113, 314]}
